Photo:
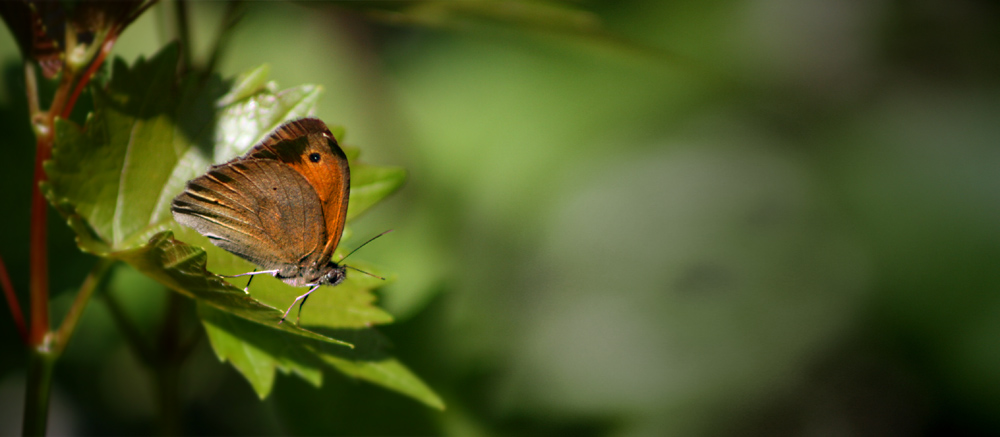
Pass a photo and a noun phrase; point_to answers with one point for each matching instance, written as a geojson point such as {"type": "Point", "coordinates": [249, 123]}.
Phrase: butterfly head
{"type": "Point", "coordinates": [335, 275]}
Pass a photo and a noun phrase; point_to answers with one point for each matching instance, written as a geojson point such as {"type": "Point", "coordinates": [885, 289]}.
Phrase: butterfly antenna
{"type": "Point", "coordinates": [363, 245]}
{"type": "Point", "coordinates": [362, 271]}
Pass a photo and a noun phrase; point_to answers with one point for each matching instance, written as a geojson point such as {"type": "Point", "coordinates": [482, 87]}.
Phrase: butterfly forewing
{"type": "Point", "coordinates": [261, 210]}
{"type": "Point", "coordinates": [308, 147]}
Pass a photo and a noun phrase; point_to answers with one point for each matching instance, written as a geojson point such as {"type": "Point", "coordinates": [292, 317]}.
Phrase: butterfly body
{"type": "Point", "coordinates": [330, 273]}
{"type": "Point", "coordinates": [281, 206]}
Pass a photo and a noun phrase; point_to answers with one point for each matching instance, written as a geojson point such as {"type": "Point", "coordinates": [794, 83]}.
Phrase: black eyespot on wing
{"type": "Point", "coordinates": [314, 157]}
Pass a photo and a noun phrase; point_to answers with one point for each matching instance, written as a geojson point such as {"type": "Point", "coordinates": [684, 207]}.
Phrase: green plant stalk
{"type": "Point", "coordinates": [90, 283]}
{"type": "Point", "coordinates": [31, 85]}
{"type": "Point", "coordinates": [41, 361]}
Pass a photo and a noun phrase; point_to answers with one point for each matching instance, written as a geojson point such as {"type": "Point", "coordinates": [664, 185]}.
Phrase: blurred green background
{"type": "Point", "coordinates": [761, 217]}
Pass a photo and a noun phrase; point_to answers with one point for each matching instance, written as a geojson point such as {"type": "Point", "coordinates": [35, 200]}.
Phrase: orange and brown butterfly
{"type": "Point", "coordinates": [282, 206]}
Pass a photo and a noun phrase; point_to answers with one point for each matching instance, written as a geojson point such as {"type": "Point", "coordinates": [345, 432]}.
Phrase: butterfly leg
{"type": "Point", "coordinates": [255, 272]}
{"type": "Point", "coordinates": [303, 299]}
{"type": "Point", "coordinates": [297, 316]}
{"type": "Point", "coordinates": [251, 275]}
{"type": "Point", "coordinates": [246, 289]}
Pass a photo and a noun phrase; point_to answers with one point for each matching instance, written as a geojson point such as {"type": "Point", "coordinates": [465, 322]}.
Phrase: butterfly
{"type": "Point", "coordinates": [281, 206]}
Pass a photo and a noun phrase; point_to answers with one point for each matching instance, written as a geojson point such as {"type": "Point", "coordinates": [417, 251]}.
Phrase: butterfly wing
{"type": "Point", "coordinates": [261, 210]}
{"type": "Point", "coordinates": [308, 147]}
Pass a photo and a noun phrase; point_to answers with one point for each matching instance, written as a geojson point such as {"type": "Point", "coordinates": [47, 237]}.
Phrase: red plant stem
{"type": "Point", "coordinates": [39, 248]}
{"type": "Point", "coordinates": [15, 308]}
{"type": "Point", "coordinates": [39, 207]}
{"type": "Point", "coordinates": [38, 239]}
{"type": "Point", "coordinates": [106, 46]}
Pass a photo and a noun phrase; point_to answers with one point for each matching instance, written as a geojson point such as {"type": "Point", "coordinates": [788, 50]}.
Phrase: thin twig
{"type": "Point", "coordinates": [82, 297]}
{"type": "Point", "coordinates": [15, 307]}
{"type": "Point", "coordinates": [31, 86]}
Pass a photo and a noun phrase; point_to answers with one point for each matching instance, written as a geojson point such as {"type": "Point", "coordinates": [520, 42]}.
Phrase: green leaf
{"type": "Point", "coordinates": [114, 178]}
{"type": "Point", "coordinates": [261, 350]}
{"type": "Point", "coordinates": [370, 184]}
{"type": "Point", "coordinates": [388, 373]}
{"type": "Point", "coordinates": [257, 350]}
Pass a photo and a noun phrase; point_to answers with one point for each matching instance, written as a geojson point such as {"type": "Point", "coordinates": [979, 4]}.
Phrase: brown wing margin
{"type": "Point", "coordinates": [290, 131]}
